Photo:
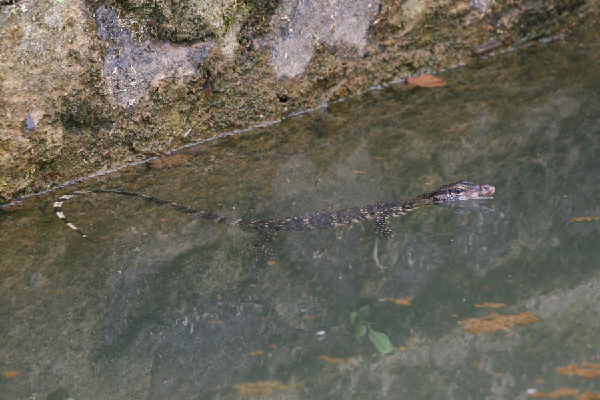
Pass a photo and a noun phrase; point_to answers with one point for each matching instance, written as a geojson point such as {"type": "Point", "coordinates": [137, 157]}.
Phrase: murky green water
{"type": "Point", "coordinates": [166, 306]}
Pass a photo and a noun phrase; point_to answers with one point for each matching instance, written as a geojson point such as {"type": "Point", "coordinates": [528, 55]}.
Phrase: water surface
{"type": "Point", "coordinates": [164, 305]}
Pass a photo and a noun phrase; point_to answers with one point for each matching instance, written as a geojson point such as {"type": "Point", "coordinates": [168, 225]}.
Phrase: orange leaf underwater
{"type": "Point", "coordinates": [497, 322]}
{"type": "Point", "coordinates": [426, 81]}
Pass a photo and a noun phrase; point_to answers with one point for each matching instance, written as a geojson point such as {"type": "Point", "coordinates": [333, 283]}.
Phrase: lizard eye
{"type": "Point", "coordinates": [458, 191]}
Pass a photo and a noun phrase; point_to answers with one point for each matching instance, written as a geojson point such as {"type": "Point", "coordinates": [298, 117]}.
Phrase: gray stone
{"type": "Point", "coordinates": [131, 66]}
{"type": "Point", "coordinates": [301, 25]}
{"type": "Point", "coordinates": [481, 6]}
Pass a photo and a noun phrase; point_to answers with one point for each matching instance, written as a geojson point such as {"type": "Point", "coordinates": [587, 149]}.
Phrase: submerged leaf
{"type": "Point", "coordinates": [584, 219]}
{"type": "Point", "coordinates": [497, 322]}
{"type": "Point", "coordinates": [492, 305]}
{"type": "Point", "coordinates": [587, 370]}
{"type": "Point", "coordinates": [363, 312]}
{"type": "Point", "coordinates": [260, 387]}
{"type": "Point", "coordinates": [403, 301]}
{"type": "Point", "coordinates": [563, 392]}
{"type": "Point", "coordinates": [361, 331]}
{"type": "Point", "coordinates": [426, 81]}
{"type": "Point", "coordinates": [588, 395]}
{"type": "Point", "coordinates": [381, 341]}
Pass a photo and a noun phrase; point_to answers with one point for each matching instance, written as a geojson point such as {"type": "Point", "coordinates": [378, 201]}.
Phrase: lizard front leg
{"type": "Point", "coordinates": [381, 228]}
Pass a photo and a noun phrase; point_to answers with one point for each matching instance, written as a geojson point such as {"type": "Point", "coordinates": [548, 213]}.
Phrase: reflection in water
{"type": "Point", "coordinates": [165, 305]}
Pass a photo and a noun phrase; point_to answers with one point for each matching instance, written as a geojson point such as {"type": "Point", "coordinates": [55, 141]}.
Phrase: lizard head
{"type": "Point", "coordinates": [462, 190]}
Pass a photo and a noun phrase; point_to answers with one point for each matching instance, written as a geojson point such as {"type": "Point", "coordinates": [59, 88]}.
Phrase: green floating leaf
{"type": "Point", "coordinates": [361, 331]}
{"type": "Point", "coordinates": [363, 312]}
{"type": "Point", "coordinates": [381, 341]}
{"type": "Point", "coordinates": [353, 317]}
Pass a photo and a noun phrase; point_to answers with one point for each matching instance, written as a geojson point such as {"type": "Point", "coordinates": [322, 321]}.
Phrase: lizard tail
{"type": "Point", "coordinates": [58, 210]}
{"type": "Point", "coordinates": [186, 210]}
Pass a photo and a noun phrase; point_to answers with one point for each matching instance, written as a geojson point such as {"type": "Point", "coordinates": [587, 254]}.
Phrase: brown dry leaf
{"type": "Point", "coordinates": [568, 370]}
{"type": "Point", "coordinates": [589, 396]}
{"type": "Point", "coordinates": [271, 262]}
{"type": "Point", "coordinates": [256, 353]}
{"type": "Point", "coordinates": [331, 360]}
{"type": "Point", "coordinates": [359, 172]}
{"type": "Point", "coordinates": [584, 219]}
{"type": "Point", "coordinates": [492, 305]}
{"type": "Point", "coordinates": [11, 374]}
{"type": "Point", "coordinates": [260, 387]}
{"type": "Point", "coordinates": [496, 322]}
{"type": "Point", "coordinates": [311, 317]}
{"type": "Point", "coordinates": [403, 301]}
{"type": "Point", "coordinates": [540, 380]}
{"type": "Point", "coordinates": [587, 370]}
{"type": "Point", "coordinates": [402, 348]}
{"type": "Point", "coordinates": [426, 81]}
{"type": "Point", "coordinates": [563, 392]}
{"type": "Point", "coordinates": [590, 365]}
{"type": "Point", "coordinates": [273, 346]}
{"type": "Point", "coordinates": [169, 161]}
